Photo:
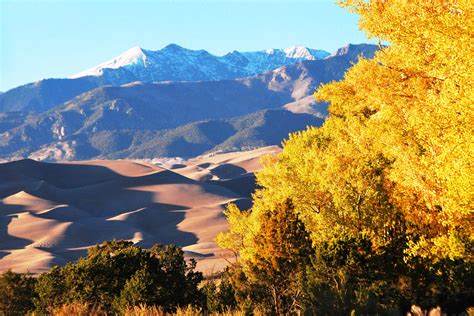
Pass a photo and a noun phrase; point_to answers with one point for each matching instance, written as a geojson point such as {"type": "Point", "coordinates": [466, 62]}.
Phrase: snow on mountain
{"type": "Point", "coordinates": [177, 118]}
{"type": "Point", "coordinates": [174, 62]}
{"type": "Point", "coordinates": [301, 52]}
{"type": "Point", "coordinates": [133, 56]}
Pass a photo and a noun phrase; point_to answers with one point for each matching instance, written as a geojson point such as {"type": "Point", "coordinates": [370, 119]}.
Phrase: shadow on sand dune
{"type": "Point", "coordinates": [97, 204]}
{"type": "Point", "coordinates": [244, 185]}
{"type": "Point", "coordinates": [228, 171]}
{"type": "Point", "coordinates": [8, 242]}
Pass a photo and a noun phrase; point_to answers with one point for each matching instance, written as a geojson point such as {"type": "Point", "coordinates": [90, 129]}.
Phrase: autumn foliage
{"type": "Point", "coordinates": [391, 166]}
{"type": "Point", "coordinates": [369, 214]}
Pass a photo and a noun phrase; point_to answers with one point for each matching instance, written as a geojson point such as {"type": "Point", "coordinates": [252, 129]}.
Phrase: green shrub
{"type": "Point", "coordinates": [220, 294]}
{"type": "Point", "coordinates": [17, 291]}
{"type": "Point", "coordinates": [117, 274]}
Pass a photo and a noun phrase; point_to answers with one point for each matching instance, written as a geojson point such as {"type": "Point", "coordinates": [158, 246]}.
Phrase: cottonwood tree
{"type": "Point", "coordinates": [275, 269]}
{"type": "Point", "coordinates": [393, 162]}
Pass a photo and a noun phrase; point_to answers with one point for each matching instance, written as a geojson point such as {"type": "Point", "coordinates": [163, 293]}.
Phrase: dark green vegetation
{"type": "Point", "coordinates": [113, 276]}
{"type": "Point", "coordinates": [340, 278]}
{"type": "Point", "coordinates": [344, 276]}
{"type": "Point", "coordinates": [17, 293]}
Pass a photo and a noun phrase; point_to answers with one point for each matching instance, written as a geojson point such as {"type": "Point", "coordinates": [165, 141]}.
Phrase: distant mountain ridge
{"type": "Point", "coordinates": [172, 63]}
{"type": "Point", "coordinates": [177, 63]}
{"type": "Point", "coordinates": [155, 119]}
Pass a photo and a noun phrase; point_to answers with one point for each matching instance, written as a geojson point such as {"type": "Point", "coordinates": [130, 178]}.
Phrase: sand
{"type": "Point", "coordinates": [51, 212]}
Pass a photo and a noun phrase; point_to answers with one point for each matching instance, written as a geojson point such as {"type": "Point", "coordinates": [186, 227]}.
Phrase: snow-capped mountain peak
{"type": "Point", "coordinates": [298, 51]}
{"type": "Point", "coordinates": [174, 62]}
{"type": "Point", "coordinates": [133, 56]}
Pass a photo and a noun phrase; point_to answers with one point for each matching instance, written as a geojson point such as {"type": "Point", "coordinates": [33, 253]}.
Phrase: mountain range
{"type": "Point", "coordinates": [172, 63]}
{"type": "Point", "coordinates": [171, 102]}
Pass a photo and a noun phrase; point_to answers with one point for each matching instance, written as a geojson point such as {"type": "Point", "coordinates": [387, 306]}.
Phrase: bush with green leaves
{"type": "Point", "coordinates": [351, 275]}
{"type": "Point", "coordinates": [17, 291]}
{"type": "Point", "coordinates": [117, 274]}
{"type": "Point", "coordinates": [220, 293]}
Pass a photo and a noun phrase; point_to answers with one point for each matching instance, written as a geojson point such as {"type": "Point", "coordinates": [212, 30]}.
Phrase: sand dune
{"type": "Point", "coordinates": [222, 166]}
{"type": "Point", "coordinates": [51, 212]}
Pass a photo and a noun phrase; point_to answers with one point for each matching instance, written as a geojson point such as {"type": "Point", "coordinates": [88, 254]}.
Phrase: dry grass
{"type": "Point", "coordinates": [184, 311]}
{"type": "Point", "coordinates": [76, 309]}
{"type": "Point", "coordinates": [81, 309]}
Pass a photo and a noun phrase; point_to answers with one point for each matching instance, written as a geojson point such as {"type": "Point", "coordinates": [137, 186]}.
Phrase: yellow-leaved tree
{"type": "Point", "coordinates": [417, 102]}
{"type": "Point", "coordinates": [395, 156]}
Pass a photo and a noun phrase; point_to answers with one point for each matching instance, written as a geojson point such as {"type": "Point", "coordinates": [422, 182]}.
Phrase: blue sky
{"type": "Point", "coordinates": [53, 38]}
